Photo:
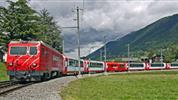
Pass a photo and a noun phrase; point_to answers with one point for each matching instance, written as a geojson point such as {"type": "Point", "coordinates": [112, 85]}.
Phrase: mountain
{"type": "Point", "coordinates": [160, 34]}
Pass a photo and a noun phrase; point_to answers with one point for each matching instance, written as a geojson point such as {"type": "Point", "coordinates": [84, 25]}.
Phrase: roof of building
{"type": "Point", "coordinates": [130, 59]}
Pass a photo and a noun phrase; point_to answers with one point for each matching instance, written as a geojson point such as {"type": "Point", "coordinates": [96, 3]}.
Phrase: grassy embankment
{"type": "Point", "coordinates": [143, 86]}
{"type": "Point", "coordinates": [3, 72]}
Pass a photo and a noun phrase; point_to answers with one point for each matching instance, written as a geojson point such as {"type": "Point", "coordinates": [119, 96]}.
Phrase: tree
{"type": "Point", "coordinates": [50, 30]}
{"type": "Point", "coordinates": [24, 23]}
{"type": "Point", "coordinates": [19, 20]}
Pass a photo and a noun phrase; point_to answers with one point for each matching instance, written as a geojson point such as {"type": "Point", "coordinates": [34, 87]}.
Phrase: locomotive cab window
{"type": "Point", "coordinates": [18, 50]}
{"type": "Point", "coordinates": [33, 50]}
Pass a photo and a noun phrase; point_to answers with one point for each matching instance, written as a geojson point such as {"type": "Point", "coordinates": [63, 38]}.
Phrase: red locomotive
{"type": "Point", "coordinates": [34, 61]}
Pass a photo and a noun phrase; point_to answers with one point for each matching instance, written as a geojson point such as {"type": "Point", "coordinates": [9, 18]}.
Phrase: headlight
{"type": "Point", "coordinates": [34, 64]}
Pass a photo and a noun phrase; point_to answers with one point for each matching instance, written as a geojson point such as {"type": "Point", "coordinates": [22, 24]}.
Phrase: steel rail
{"type": "Point", "coordinates": [4, 90]}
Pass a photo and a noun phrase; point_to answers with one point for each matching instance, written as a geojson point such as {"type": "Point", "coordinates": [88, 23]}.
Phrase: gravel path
{"type": "Point", "coordinates": [48, 90]}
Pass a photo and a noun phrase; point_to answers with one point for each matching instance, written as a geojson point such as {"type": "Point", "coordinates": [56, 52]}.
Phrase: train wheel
{"type": "Point", "coordinates": [55, 74]}
{"type": "Point", "coordinates": [46, 76]}
{"type": "Point", "coordinates": [58, 74]}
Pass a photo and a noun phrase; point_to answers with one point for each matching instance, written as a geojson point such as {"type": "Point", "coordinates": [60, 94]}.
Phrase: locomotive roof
{"type": "Point", "coordinates": [41, 42]}
{"type": "Point", "coordinates": [27, 42]}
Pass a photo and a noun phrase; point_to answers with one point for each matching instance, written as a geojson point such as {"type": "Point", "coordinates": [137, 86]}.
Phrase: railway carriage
{"type": "Point", "coordinates": [33, 60]}
{"type": "Point", "coordinates": [157, 66]}
{"type": "Point", "coordinates": [73, 68]}
{"type": "Point", "coordinates": [72, 65]}
{"type": "Point", "coordinates": [136, 66]}
{"type": "Point", "coordinates": [172, 65]}
{"type": "Point", "coordinates": [96, 66]}
{"type": "Point", "coordinates": [116, 66]}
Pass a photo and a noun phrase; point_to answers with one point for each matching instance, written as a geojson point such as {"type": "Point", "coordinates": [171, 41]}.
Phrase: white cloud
{"type": "Point", "coordinates": [113, 16]}
{"type": "Point", "coordinates": [85, 49]}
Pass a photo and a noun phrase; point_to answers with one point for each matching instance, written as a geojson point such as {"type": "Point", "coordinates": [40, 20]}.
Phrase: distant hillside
{"type": "Point", "coordinates": [160, 34]}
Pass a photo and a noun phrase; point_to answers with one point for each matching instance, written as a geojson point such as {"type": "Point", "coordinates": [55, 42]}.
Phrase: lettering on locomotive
{"type": "Point", "coordinates": [55, 58]}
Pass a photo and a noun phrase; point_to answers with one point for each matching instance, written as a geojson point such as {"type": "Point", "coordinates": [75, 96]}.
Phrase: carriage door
{"type": "Point", "coordinates": [66, 65]}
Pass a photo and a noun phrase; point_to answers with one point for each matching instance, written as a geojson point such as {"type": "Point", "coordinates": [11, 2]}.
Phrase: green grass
{"type": "Point", "coordinates": [143, 86]}
{"type": "Point", "coordinates": [3, 72]}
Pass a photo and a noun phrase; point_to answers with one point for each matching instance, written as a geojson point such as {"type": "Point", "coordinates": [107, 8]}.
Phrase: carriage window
{"type": "Point", "coordinates": [114, 65]}
{"type": "Point", "coordinates": [174, 64]}
{"type": "Point", "coordinates": [33, 50]}
{"type": "Point", "coordinates": [98, 65]}
{"type": "Point", "coordinates": [18, 50]}
{"type": "Point", "coordinates": [81, 63]}
{"type": "Point", "coordinates": [122, 65]}
{"type": "Point", "coordinates": [72, 62]}
{"type": "Point", "coordinates": [136, 65]}
{"type": "Point", "coordinates": [157, 65]}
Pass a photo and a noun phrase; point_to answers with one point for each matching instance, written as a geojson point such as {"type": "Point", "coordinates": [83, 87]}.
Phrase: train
{"type": "Point", "coordinates": [37, 61]}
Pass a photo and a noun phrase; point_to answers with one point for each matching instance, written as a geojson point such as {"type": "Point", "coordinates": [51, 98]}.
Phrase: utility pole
{"type": "Point", "coordinates": [78, 37]}
{"type": "Point", "coordinates": [161, 57]}
{"type": "Point", "coordinates": [128, 56]}
{"type": "Point", "coordinates": [78, 40]}
{"type": "Point", "coordinates": [105, 55]}
{"type": "Point", "coordinates": [63, 46]}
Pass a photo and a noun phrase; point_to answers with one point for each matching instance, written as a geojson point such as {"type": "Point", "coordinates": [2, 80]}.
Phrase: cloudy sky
{"type": "Point", "coordinates": [110, 18]}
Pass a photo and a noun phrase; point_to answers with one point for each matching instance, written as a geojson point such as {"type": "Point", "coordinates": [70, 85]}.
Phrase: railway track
{"type": "Point", "coordinates": [10, 86]}
{"type": "Point", "coordinates": [4, 84]}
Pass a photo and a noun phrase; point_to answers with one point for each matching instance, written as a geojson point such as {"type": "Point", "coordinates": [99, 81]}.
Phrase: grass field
{"type": "Point", "coordinates": [137, 86]}
{"type": "Point", "coordinates": [3, 72]}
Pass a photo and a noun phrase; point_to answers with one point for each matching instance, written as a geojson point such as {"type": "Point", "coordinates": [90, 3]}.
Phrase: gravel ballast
{"type": "Point", "coordinates": [48, 90]}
